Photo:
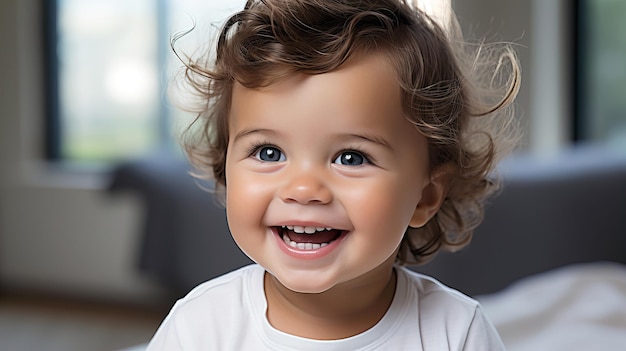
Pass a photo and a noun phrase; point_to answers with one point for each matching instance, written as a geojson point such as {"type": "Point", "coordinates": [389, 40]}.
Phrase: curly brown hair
{"type": "Point", "coordinates": [458, 95]}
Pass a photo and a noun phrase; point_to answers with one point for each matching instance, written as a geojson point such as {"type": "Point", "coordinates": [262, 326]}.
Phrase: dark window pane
{"type": "Point", "coordinates": [603, 70]}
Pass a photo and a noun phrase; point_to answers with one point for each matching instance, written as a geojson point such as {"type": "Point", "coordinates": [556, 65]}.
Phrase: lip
{"type": "Point", "coordinates": [307, 254]}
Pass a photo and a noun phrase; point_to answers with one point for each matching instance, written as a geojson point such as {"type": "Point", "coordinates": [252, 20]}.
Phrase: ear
{"type": "Point", "coordinates": [433, 195]}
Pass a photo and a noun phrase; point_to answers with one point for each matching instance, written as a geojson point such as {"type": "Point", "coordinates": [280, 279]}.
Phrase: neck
{"type": "Point", "coordinates": [343, 311]}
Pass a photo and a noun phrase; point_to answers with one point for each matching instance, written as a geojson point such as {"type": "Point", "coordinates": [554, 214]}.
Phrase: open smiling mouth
{"type": "Point", "coordinates": [308, 238]}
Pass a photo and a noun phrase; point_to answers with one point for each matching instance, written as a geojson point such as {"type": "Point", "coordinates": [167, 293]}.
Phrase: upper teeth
{"type": "Point", "coordinates": [308, 230]}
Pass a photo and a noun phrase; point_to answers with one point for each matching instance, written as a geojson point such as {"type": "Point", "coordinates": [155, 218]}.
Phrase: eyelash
{"type": "Point", "coordinates": [255, 147]}
{"type": "Point", "coordinates": [367, 156]}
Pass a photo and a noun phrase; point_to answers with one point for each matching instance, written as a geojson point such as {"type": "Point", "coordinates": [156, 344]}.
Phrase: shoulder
{"type": "Point", "coordinates": [228, 287]}
{"type": "Point", "coordinates": [430, 290]}
{"type": "Point", "coordinates": [214, 313]}
{"type": "Point", "coordinates": [446, 313]}
{"type": "Point", "coordinates": [232, 280]}
{"type": "Point", "coordinates": [222, 297]}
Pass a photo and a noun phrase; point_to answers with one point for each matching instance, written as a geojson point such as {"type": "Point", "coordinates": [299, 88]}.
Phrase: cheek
{"type": "Point", "coordinates": [386, 206]}
{"type": "Point", "coordinates": [240, 191]}
{"type": "Point", "coordinates": [247, 198]}
{"type": "Point", "coordinates": [244, 212]}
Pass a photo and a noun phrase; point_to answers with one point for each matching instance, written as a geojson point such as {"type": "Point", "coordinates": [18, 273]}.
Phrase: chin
{"type": "Point", "coordinates": [304, 284]}
{"type": "Point", "coordinates": [308, 289]}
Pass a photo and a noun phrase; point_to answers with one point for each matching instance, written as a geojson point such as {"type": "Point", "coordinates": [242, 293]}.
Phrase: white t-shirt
{"type": "Point", "coordinates": [228, 313]}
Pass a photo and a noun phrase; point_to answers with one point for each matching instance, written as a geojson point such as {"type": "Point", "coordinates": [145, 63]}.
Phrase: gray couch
{"type": "Point", "coordinates": [553, 211]}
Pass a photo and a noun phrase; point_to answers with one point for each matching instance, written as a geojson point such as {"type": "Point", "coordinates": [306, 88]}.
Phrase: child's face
{"type": "Point", "coordinates": [324, 151]}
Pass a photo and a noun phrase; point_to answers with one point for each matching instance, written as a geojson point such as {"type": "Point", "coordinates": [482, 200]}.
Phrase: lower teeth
{"type": "Point", "coordinates": [302, 246]}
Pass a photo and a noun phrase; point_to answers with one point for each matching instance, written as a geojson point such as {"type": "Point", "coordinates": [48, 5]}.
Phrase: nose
{"type": "Point", "coordinates": [306, 189]}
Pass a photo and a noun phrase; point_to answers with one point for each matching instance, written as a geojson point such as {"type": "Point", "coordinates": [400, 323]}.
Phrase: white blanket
{"type": "Point", "coordinates": [579, 307]}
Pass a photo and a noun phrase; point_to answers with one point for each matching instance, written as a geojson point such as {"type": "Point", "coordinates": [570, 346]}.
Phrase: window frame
{"type": "Point", "coordinates": [579, 74]}
{"type": "Point", "coordinates": [52, 123]}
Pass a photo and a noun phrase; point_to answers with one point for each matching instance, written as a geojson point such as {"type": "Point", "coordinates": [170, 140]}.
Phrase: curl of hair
{"type": "Point", "coordinates": [457, 94]}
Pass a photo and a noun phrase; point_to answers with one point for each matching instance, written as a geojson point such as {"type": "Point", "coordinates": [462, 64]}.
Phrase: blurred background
{"type": "Point", "coordinates": [83, 89]}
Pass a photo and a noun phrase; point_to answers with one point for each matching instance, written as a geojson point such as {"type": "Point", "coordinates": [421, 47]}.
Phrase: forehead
{"type": "Point", "coordinates": [365, 85]}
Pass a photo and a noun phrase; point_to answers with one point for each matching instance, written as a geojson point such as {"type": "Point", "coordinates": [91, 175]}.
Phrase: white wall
{"type": "Point", "coordinates": [60, 231]}
{"type": "Point", "coordinates": [536, 28]}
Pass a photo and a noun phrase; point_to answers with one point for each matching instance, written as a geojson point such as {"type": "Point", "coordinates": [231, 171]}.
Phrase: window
{"type": "Point", "coordinates": [601, 65]}
{"type": "Point", "coordinates": [109, 64]}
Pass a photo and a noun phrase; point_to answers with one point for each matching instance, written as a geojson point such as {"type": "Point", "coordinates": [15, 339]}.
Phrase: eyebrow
{"type": "Point", "coordinates": [247, 132]}
{"type": "Point", "coordinates": [372, 139]}
{"type": "Point", "coordinates": [365, 137]}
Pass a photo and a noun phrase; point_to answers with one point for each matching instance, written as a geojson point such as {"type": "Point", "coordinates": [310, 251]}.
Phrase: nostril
{"type": "Point", "coordinates": [306, 190]}
{"type": "Point", "coordinates": [309, 201]}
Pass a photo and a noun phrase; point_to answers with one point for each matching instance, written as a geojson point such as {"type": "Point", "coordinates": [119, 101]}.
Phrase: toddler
{"type": "Point", "coordinates": [347, 138]}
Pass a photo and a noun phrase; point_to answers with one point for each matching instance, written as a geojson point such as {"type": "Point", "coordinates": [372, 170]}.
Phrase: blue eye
{"type": "Point", "coordinates": [351, 158]}
{"type": "Point", "coordinates": [269, 154]}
